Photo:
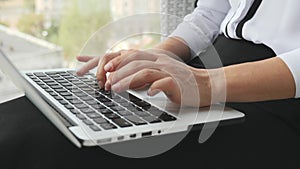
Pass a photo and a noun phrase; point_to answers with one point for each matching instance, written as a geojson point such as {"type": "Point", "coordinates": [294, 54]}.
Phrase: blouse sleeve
{"type": "Point", "coordinates": [200, 28]}
{"type": "Point", "coordinates": [292, 60]}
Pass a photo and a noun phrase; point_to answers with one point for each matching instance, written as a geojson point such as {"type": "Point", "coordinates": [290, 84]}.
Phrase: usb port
{"type": "Point", "coordinates": [120, 138]}
{"type": "Point", "coordinates": [132, 135]}
{"type": "Point", "coordinates": [147, 134]}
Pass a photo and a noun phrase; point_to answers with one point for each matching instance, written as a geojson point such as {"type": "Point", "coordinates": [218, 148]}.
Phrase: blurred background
{"type": "Point", "coordinates": [43, 34]}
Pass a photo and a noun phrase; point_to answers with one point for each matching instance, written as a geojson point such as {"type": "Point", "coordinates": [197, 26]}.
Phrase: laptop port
{"type": "Point", "coordinates": [120, 138]}
{"type": "Point", "coordinates": [106, 140]}
{"type": "Point", "coordinates": [147, 134]}
{"type": "Point", "coordinates": [132, 135]}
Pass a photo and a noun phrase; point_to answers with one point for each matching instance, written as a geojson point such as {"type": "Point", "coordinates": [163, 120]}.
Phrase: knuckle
{"type": "Point", "coordinates": [170, 82]}
{"type": "Point", "coordinates": [147, 73]}
{"type": "Point", "coordinates": [105, 57]}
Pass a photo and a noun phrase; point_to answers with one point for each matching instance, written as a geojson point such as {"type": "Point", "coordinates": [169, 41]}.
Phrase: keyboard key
{"type": "Point", "coordinates": [39, 74]}
{"type": "Point", "coordinates": [121, 122]}
{"type": "Point", "coordinates": [56, 87]}
{"type": "Point", "coordinates": [81, 94]}
{"type": "Point", "coordinates": [95, 128]}
{"type": "Point", "coordinates": [63, 102]}
{"type": "Point", "coordinates": [125, 103]}
{"type": "Point", "coordinates": [51, 73]}
{"type": "Point", "coordinates": [75, 101]}
{"type": "Point", "coordinates": [71, 88]}
{"type": "Point", "coordinates": [76, 90]}
{"type": "Point", "coordinates": [86, 98]}
{"type": "Point", "coordinates": [151, 119]}
{"type": "Point", "coordinates": [81, 85]}
{"type": "Point", "coordinates": [68, 77]}
{"type": "Point", "coordinates": [107, 126]}
{"type": "Point", "coordinates": [36, 80]}
{"type": "Point", "coordinates": [98, 106]}
{"type": "Point", "coordinates": [155, 111]}
{"type": "Point", "coordinates": [87, 110]}
{"type": "Point", "coordinates": [124, 113]}
{"type": "Point", "coordinates": [109, 104]}
{"type": "Point", "coordinates": [112, 116]}
{"type": "Point", "coordinates": [48, 81]}
{"type": "Point", "coordinates": [167, 117]}
{"type": "Point", "coordinates": [103, 100]}
{"type": "Point", "coordinates": [105, 92]}
{"type": "Point", "coordinates": [80, 116]}
{"type": "Point", "coordinates": [44, 78]}
{"type": "Point", "coordinates": [118, 108]}
{"type": "Point", "coordinates": [141, 113]}
{"type": "Point", "coordinates": [66, 84]}
{"type": "Point", "coordinates": [91, 102]}
{"type": "Point", "coordinates": [81, 106]}
{"type": "Point", "coordinates": [65, 94]}
{"type": "Point", "coordinates": [135, 120]}
{"type": "Point", "coordinates": [44, 87]}
{"type": "Point", "coordinates": [100, 120]}
{"type": "Point", "coordinates": [58, 78]}
{"type": "Point", "coordinates": [93, 115]}
{"type": "Point", "coordinates": [133, 98]}
{"type": "Point", "coordinates": [62, 81]}
{"type": "Point", "coordinates": [105, 111]}
{"type": "Point", "coordinates": [70, 98]}
{"type": "Point", "coordinates": [48, 90]}
{"type": "Point", "coordinates": [134, 109]}
{"type": "Point", "coordinates": [54, 76]}
{"type": "Point", "coordinates": [74, 111]}
{"type": "Point", "coordinates": [87, 122]}
{"type": "Point", "coordinates": [58, 98]}
{"type": "Point", "coordinates": [87, 89]}
{"type": "Point", "coordinates": [68, 106]}
{"type": "Point", "coordinates": [143, 104]}
{"type": "Point", "coordinates": [40, 83]}
{"type": "Point", "coordinates": [52, 84]}
{"type": "Point", "coordinates": [60, 90]}
{"type": "Point", "coordinates": [53, 94]}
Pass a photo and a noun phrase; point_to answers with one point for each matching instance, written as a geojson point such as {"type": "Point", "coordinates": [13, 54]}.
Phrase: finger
{"type": "Point", "coordinates": [107, 84]}
{"type": "Point", "coordinates": [131, 68]}
{"type": "Point", "coordinates": [168, 86]}
{"type": "Point", "coordinates": [91, 64]}
{"type": "Point", "coordinates": [101, 73]}
{"type": "Point", "coordinates": [127, 57]}
{"type": "Point", "coordinates": [84, 58]}
{"type": "Point", "coordinates": [134, 56]}
{"type": "Point", "coordinates": [113, 63]}
{"type": "Point", "coordinates": [139, 80]}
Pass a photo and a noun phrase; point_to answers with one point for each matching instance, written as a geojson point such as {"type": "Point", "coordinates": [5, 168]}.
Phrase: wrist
{"type": "Point", "coordinates": [211, 85]}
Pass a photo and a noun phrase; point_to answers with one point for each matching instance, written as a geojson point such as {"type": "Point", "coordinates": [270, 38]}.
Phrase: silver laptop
{"type": "Point", "coordinates": [89, 116]}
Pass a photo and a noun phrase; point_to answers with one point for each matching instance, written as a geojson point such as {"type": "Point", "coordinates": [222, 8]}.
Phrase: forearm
{"type": "Point", "coordinates": [259, 81]}
{"type": "Point", "coordinates": [176, 46]}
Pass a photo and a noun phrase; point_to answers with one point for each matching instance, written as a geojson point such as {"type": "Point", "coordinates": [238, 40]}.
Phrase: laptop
{"type": "Point", "coordinates": [90, 116]}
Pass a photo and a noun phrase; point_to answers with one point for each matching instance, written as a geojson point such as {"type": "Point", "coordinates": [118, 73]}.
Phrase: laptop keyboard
{"type": "Point", "coordinates": [95, 107]}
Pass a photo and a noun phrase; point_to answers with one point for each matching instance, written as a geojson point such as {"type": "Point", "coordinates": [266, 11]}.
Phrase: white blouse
{"type": "Point", "coordinates": [274, 23]}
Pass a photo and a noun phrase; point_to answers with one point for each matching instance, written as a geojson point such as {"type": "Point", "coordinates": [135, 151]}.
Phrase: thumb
{"type": "Point", "coordinates": [166, 85]}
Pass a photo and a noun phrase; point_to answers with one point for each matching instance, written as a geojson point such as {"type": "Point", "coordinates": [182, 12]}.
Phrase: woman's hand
{"type": "Point", "coordinates": [113, 59]}
{"type": "Point", "coordinates": [134, 69]}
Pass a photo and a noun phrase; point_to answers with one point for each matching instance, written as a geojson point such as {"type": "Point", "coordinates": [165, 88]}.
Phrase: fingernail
{"type": "Point", "coordinates": [153, 92]}
{"type": "Point", "coordinates": [116, 87]}
{"type": "Point", "coordinates": [107, 85]}
{"type": "Point", "coordinates": [108, 66]}
{"type": "Point", "coordinates": [78, 73]}
{"type": "Point", "coordinates": [100, 83]}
